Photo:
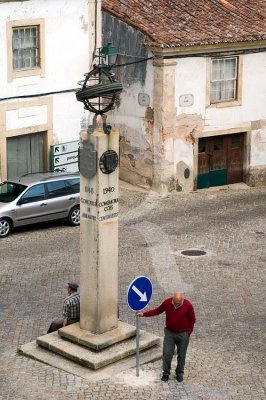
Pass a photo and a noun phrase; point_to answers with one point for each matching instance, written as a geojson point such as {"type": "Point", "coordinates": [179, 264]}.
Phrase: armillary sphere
{"type": "Point", "coordinates": [99, 90]}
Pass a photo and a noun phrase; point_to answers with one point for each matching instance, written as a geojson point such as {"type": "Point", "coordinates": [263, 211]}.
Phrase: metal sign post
{"type": "Point", "coordinates": [137, 344]}
{"type": "Point", "coordinates": [138, 296]}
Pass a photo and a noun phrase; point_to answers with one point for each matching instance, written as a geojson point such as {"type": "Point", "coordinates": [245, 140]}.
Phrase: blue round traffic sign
{"type": "Point", "coordinates": [139, 293]}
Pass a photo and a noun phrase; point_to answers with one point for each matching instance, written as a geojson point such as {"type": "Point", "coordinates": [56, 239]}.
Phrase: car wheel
{"type": "Point", "coordinates": [74, 216]}
{"type": "Point", "coordinates": [5, 227]}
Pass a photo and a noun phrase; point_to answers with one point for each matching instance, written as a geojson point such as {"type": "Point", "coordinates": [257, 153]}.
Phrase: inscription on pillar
{"type": "Point", "coordinates": [104, 208]}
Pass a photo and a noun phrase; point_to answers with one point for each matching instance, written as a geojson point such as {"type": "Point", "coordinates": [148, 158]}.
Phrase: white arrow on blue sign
{"type": "Point", "coordinates": [139, 293]}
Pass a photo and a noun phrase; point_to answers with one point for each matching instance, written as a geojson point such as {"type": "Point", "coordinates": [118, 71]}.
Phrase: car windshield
{"type": "Point", "coordinates": [9, 191]}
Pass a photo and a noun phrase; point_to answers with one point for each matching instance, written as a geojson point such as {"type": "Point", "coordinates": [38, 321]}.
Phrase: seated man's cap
{"type": "Point", "coordinates": [73, 285]}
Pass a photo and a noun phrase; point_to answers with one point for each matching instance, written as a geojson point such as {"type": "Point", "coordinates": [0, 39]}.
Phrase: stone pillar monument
{"type": "Point", "coordinates": [99, 230]}
{"type": "Point", "coordinates": [99, 339]}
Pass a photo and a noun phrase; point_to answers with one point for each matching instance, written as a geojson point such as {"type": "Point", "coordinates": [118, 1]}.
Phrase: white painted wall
{"type": "Point", "coordinates": [258, 148]}
{"type": "Point", "coordinates": [253, 96]}
{"type": "Point", "coordinates": [37, 115]}
{"type": "Point", "coordinates": [191, 78]}
{"type": "Point", "coordinates": [66, 59]}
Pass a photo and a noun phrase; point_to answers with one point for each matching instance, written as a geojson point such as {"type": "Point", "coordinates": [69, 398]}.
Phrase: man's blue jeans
{"type": "Point", "coordinates": [181, 341]}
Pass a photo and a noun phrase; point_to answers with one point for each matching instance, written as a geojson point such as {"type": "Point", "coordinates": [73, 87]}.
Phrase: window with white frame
{"type": "Point", "coordinates": [223, 79]}
{"type": "Point", "coordinates": [25, 47]}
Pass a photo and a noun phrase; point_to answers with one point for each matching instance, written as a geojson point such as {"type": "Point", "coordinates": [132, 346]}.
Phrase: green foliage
{"type": "Point", "coordinates": [19, 352]}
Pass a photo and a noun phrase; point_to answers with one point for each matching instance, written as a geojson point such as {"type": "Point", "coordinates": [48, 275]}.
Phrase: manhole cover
{"type": "Point", "coordinates": [193, 253]}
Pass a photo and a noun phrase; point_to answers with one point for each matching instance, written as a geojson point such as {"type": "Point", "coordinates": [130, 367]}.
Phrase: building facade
{"type": "Point", "coordinates": [192, 113]}
{"type": "Point", "coordinates": [46, 48]}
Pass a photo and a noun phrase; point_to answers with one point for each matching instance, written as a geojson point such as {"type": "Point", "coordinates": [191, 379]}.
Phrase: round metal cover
{"type": "Point", "coordinates": [186, 173]}
{"type": "Point", "coordinates": [193, 253]}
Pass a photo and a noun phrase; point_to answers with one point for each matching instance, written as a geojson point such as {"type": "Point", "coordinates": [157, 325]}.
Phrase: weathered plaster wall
{"type": "Point", "coordinates": [256, 175]}
{"type": "Point", "coordinates": [164, 125]}
{"type": "Point", "coordinates": [198, 120]}
{"type": "Point", "coordinates": [159, 142]}
{"type": "Point", "coordinates": [133, 121]}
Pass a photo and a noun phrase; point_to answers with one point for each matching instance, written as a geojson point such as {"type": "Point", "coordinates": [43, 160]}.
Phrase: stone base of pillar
{"type": "Point", "coordinates": [96, 359]}
{"type": "Point", "coordinates": [97, 342]}
{"type": "Point", "coordinates": [95, 351]}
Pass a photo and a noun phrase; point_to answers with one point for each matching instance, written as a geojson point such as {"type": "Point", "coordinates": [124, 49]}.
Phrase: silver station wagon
{"type": "Point", "coordinates": [39, 198]}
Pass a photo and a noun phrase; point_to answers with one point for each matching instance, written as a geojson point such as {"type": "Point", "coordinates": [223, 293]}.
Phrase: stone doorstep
{"type": "Point", "coordinates": [91, 358]}
{"type": "Point", "coordinates": [32, 350]}
{"type": "Point", "coordinates": [97, 342]}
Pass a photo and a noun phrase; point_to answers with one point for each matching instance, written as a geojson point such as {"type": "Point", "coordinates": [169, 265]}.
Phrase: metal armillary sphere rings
{"type": "Point", "coordinates": [99, 91]}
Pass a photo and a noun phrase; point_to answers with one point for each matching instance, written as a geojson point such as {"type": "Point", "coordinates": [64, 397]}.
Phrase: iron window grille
{"type": "Point", "coordinates": [25, 47]}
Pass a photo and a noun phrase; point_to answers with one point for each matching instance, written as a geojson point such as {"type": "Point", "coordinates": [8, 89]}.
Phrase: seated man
{"type": "Point", "coordinates": [71, 309]}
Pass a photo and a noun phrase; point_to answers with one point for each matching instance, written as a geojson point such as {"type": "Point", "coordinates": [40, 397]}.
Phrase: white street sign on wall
{"type": "Point", "coordinates": [65, 147]}
{"type": "Point", "coordinates": [67, 168]}
{"type": "Point", "coordinates": [64, 156]}
{"type": "Point", "coordinates": [68, 158]}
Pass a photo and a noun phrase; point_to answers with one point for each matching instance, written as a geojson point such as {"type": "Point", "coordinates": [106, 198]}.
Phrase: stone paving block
{"type": "Point", "coordinates": [227, 288]}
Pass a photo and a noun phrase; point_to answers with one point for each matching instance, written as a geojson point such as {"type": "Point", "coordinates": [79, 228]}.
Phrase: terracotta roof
{"type": "Point", "coordinates": [174, 23]}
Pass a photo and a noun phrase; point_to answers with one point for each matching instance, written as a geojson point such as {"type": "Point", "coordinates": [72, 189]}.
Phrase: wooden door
{"type": "Point", "coordinates": [220, 160]}
{"type": "Point", "coordinates": [235, 158]}
{"type": "Point", "coordinates": [25, 154]}
{"type": "Point", "coordinates": [212, 162]}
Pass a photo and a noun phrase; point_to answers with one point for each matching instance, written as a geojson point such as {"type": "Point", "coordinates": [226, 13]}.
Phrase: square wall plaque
{"type": "Point", "coordinates": [186, 100]}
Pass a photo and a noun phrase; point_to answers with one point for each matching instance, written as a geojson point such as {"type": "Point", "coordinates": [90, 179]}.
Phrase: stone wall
{"type": "Point", "coordinates": [256, 176]}
{"type": "Point", "coordinates": [133, 121]}
{"type": "Point", "coordinates": [159, 140]}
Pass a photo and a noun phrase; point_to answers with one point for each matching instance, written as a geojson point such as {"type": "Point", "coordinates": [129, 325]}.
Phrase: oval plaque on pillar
{"type": "Point", "coordinates": [108, 161]}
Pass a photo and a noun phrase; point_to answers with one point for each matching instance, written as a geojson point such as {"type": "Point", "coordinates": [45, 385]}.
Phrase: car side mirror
{"type": "Point", "coordinates": [21, 201]}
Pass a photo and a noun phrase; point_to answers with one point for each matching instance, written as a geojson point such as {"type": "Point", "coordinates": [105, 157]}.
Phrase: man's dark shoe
{"type": "Point", "coordinates": [179, 378]}
{"type": "Point", "coordinates": [165, 377]}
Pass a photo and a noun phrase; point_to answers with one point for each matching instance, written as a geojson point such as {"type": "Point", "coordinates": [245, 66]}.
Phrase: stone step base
{"type": "Point", "coordinates": [97, 342]}
{"type": "Point", "coordinates": [45, 356]}
{"type": "Point", "coordinates": [91, 358]}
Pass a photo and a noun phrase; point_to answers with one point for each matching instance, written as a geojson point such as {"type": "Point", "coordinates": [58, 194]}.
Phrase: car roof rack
{"type": "Point", "coordinates": [46, 178]}
{"type": "Point", "coordinates": [43, 176]}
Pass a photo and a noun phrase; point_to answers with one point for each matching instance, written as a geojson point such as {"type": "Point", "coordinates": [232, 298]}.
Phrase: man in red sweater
{"type": "Point", "coordinates": [179, 324]}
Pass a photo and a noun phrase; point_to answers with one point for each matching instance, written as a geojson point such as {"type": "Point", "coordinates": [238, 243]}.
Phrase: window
{"type": "Point", "coordinates": [202, 145]}
{"type": "Point", "coordinates": [224, 79]}
{"type": "Point", "coordinates": [75, 185]}
{"type": "Point", "coordinates": [218, 143]}
{"type": "Point", "coordinates": [35, 193]}
{"type": "Point", "coordinates": [25, 47]}
{"type": "Point", "coordinates": [10, 191]}
{"type": "Point", "coordinates": [57, 189]}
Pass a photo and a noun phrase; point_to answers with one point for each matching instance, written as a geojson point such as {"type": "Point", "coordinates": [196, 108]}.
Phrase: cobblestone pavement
{"type": "Point", "coordinates": [226, 286]}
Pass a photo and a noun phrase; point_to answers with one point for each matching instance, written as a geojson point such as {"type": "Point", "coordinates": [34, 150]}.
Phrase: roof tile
{"type": "Point", "coordinates": [192, 22]}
